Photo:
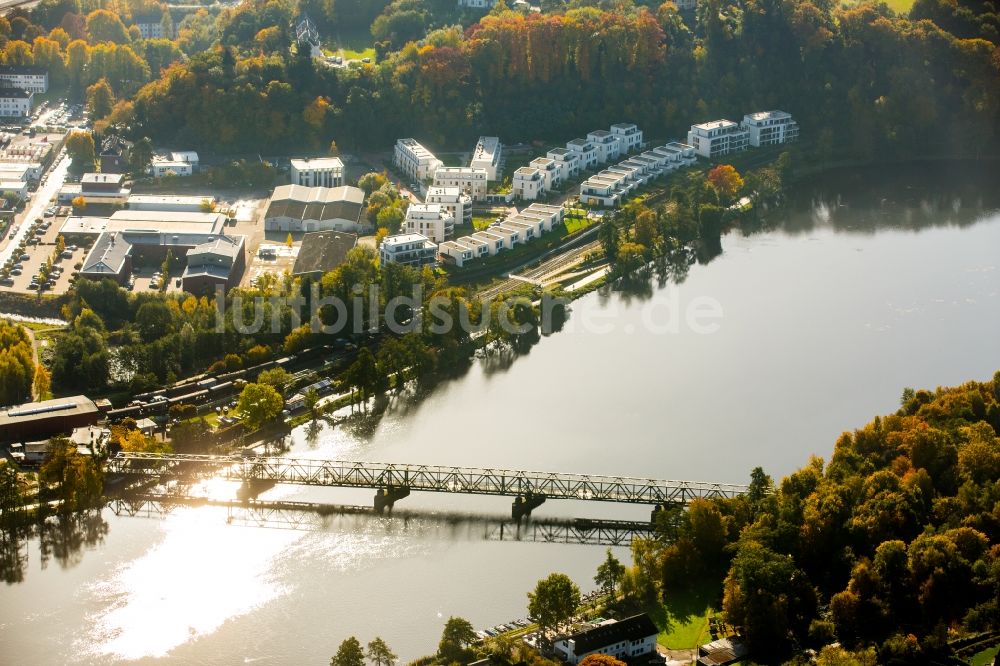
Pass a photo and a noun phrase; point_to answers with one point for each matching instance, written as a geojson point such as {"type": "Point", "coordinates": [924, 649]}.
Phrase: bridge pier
{"type": "Point", "coordinates": [523, 505]}
{"type": "Point", "coordinates": [386, 497]}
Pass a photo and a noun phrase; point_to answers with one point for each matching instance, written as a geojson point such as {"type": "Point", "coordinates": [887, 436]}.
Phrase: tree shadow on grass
{"type": "Point", "coordinates": [683, 614]}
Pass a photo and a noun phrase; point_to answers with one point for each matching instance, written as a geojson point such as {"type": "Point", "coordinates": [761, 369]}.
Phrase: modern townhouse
{"type": "Point", "coordinates": [768, 128]}
{"type": "Point", "coordinates": [409, 249]}
{"type": "Point", "coordinates": [480, 248]}
{"type": "Point", "coordinates": [429, 220]}
{"type": "Point", "coordinates": [684, 153]}
{"type": "Point", "coordinates": [457, 253]}
{"type": "Point", "coordinates": [718, 137]}
{"type": "Point", "coordinates": [609, 146]}
{"type": "Point", "coordinates": [555, 213]}
{"type": "Point", "coordinates": [629, 135]}
{"type": "Point", "coordinates": [458, 205]}
{"type": "Point", "coordinates": [414, 160]}
{"type": "Point", "coordinates": [472, 181]}
{"type": "Point", "coordinates": [486, 155]}
{"type": "Point", "coordinates": [605, 189]}
{"type": "Point", "coordinates": [528, 183]}
{"type": "Point", "coordinates": [586, 151]}
{"type": "Point", "coordinates": [551, 172]}
{"type": "Point", "coordinates": [567, 161]}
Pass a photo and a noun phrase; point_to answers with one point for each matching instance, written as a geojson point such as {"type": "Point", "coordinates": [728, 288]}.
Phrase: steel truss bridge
{"type": "Point", "coordinates": [393, 482]}
{"type": "Point", "coordinates": [312, 517]}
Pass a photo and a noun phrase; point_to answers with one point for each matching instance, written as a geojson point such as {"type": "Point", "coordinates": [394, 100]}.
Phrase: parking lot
{"type": "Point", "coordinates": [27, 265]}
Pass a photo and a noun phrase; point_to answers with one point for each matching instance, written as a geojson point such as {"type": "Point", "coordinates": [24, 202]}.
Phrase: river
{"type": "Point", "coordinates": [869, 284]}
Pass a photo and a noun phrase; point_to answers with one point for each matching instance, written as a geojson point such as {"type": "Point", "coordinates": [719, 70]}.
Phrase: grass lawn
{"type": "Point", "coordinates": [984, 658]}
{"type": "Point", "coordinates": [574, 224]}
{"type": "Point", "coordinates": [480, 222]}
{"type": "Point", "coordinates": [354, 46]}
{"type": "Point", "coordinates": [683, 619]}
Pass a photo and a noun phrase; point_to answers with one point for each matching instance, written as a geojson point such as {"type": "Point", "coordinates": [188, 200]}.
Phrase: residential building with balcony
{"type": "Point", "coordinates": [551, 172]}
{"type": "Point", "coordinates": [605, 189]}
{"type": "Point", "coordinates": [458, 205]}
{"type": "Point", "coordinates": [567, 161]}
{"type": "Point", "coordinates": [528, 183]}
{"type": "Point", "coordinates": [430, 220]}
{"type": "Point", "coordinates": [486, 155]}
{"type": "Point", "coordinates": [684, 154]}
{"type": "Point", "coordinates": [456, 253]}
{"type": "Point", "coordinates": [586, 151]}
{"type": "Point", "coordinates": [409, 249]}
{"type": "Point", "coordinates": [317, 171]}
{"type": "Point", "coordinates": [769, 128]}
{"type": "Point", "coordinates": [470, 180]}
{"type": "Point", "coordinates": [414, 160]}
{"type": "Point", "coordinates": [609, 146]}
{"type": "Point", "coordinates": [718, 137]}
{"type": "Point", "coordinates": [629, 135]}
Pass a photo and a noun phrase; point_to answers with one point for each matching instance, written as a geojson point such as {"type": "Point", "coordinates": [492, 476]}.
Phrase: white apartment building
{"type": "Point", "coordinates": [25, 77]}
{"type": "Point", "coordinates": [458, 205]}
{"type": "Point", "coordinates": [430, 220]}
{"type": "Point", "coordinates": [629, 135]}
{"type": "Point", "coordinates": [718, 138]}
{"type": "Point", "coordinates": [152, 30]}
{"type": "Point", "coordinates": [477, 4]}
{"type": "Point", "coordinates": [768, 128]}
{"type": "Point", "coordinates": [414, 160]}
{"type": "Point", "coordinates": [528, 183]}
{"type": "Point", "coordinates": [15, 102]}
{"type": "Point", "coordinates": [567, 160]}
{"type": "Point", "coordinates": [686, 5]}
{"type": "Point", "coordinates": [317, 171]}
{"type": "Point", "coordinates": [586, 151]}
{"type": "Point", "coordinates": [486, 155]}
{"type": "Point", "coordinates": [551, 172]}
{"type": "Point", "coordinates": [470, 180]}
{"type": "Point", "coordinates": [410, 249]}
{"type": "Point", "coordinates": [609, 146]}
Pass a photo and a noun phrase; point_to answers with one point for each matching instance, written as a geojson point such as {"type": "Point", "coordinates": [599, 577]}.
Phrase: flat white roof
{"type": "Point", "coordinates": [307, 163]}
{"type": "Point", "coordinates": [416, 148]}
{"type": "Point", "coordinates": [714, 124]}
{"type": "Point", "coordinates": [769, 115]}
{"type": "Point", "coordinates": [177, 199]}
{"type": "Point", "coordinates": [399, 239]}
{"type": "Point", "coordinates": [487, 150]}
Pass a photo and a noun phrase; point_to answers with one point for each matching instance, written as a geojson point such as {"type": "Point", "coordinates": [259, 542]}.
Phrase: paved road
{"type": "Point", "coordinates": [39, 202]}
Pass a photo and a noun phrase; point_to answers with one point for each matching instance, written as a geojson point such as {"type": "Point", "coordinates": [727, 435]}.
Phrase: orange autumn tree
{"type": "Point", "coordinates": [726, 180]}
{"type": "Point", "coordinates": [601, 660]}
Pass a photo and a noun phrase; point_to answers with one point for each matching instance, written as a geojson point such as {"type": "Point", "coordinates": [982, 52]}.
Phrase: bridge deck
{"type": "Point", "coordinates": [427, 478]}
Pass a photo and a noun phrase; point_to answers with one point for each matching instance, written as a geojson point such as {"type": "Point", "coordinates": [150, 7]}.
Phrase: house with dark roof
{"type": "Point", "coordinates": [631, 638]}
{"type": "Point", "coordinates": [321, 252]}
{"type": "Point", "coordinates": [301, 208]}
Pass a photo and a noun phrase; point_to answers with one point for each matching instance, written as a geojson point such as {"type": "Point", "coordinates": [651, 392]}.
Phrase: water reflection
{"type": "Point", "coordinates": [62, 538]}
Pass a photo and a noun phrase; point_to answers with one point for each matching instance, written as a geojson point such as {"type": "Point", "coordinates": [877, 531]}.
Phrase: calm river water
{"type": "Point", "coordinates": [871, 284]}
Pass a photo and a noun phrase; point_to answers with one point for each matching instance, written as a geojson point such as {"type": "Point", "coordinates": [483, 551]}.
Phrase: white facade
{"type": "Point", "coordinates": [608, 146]}
{"type": "Point", "coordinates": [567, 160]}
{"type": "Point", "coordinates": [25, 77]}
{"type": "Point", "coordinates": [21, 170]}
{"type": "Point", "coordinates": [768, 128]}
{"type": "Point", "coordinates": [528, 183]}
{"type": "Point", "coordinates": [162, 167]}
{"type": "Point", "coordinates": [470, 180]}
{"type": "Point", "coordinates": [629, 135]}
{"type": "Point", "coordinates": [476, 4]}
{"type": "Point", "coordinates": [409, 249]}
{"type": "Point", "coordinates": [170, 203]}
{"type": "Point", "coordinates": [552, 174]}
{"type": "Point", "coordinates": [187, 156]}
{"type": "Point", "coordinates": [686, 5]}
{"type": "Point", "coordinates": [605, 189]}
{"type": "Point", "coordinates": [486, 155]}
{"type": "Point", "coordinates": [585, 151]}
{"type": "Point", "coordinates": [624, 640]}
{"type": "Point", "coordinates": [15, 103]}
{"type": "Point", "coordinates": [317, 172]}
{"type": "Point", "coordinates": [430, 220]}
{"type": "Point", "coordinates": [459, 253]}
{"type": "Point", "coordinates": [152, 30]}
{"type": "Point", "coordinates": [458, 205]}
{"type": "Point", "coordinates": [414, 160]}
{"type": "Point", "coordinates": [718, 138]}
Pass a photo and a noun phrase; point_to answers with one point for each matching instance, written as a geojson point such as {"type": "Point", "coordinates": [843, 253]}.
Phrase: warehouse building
{"type": "Point", "coordinates": [300, 208]}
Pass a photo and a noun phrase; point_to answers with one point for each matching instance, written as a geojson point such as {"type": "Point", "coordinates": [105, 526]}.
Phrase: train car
{"type": "Point", "coordinates": [189, 398]}
{"type": "Point", "coordinates": [205, 383]}
{"type": "Point", "coordinates": [220, 390]}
